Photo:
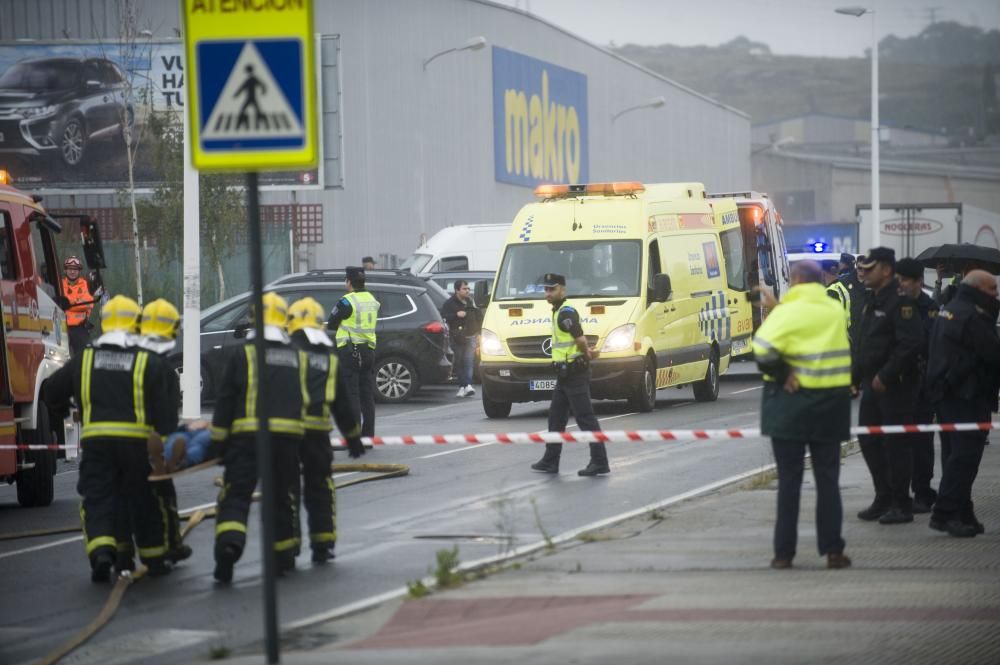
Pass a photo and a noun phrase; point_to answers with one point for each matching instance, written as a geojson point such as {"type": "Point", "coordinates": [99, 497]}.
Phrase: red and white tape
{"type": "Point", "coordinates": [610, 436]}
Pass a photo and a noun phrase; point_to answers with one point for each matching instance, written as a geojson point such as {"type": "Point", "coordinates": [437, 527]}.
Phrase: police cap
{"type": "Point", "coordinates": [354, 272]}
{"type": "Point", "coordinates": [879, 255]}
{"type": "Point", "coordinates": [552, 279]}
{"type": "Point", "coordinates": [910, 268]}
{"type": "Point", "coordinates": [847, 259]}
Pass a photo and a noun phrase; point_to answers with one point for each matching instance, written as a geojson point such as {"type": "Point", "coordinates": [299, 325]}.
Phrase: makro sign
{"type": "Point", "coordinates": [539, 121]}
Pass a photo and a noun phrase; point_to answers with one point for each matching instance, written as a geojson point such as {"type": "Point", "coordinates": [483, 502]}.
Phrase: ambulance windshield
{"type": "Point", "coordinates": [592, 268]}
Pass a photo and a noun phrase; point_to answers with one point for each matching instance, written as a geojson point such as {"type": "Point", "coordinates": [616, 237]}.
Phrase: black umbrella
{"type": "Point", "coordinates": [954, 256]}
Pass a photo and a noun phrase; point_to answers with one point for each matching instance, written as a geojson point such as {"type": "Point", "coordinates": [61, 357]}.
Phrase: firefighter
{"type": "Point", "coordinates": [234, 428]}
{"type": "Point", "coordinates": [326, 389]}
{"type": "Point", "coordinates": [121, 392]}
{"type": "Point", "coordinates": [354, 319]}
{"type": "Point", "coordinates": [76, 290]}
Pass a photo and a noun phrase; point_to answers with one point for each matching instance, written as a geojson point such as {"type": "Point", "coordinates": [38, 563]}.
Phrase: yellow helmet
{"type": "Point", "coordinates": [305, 313]}
{"type": "Point", "coordinates": [160, 319]}
{"type": "Point", "coordinates": [275, 310]}
{"type": "Point", "coordinates": [121, 313]}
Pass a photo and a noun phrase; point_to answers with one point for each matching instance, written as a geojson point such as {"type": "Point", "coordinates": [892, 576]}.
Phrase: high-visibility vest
{"type": "Point", "coordinates": [77, 292]}
{"type": "Point", "coordinates": [808, 331]}
{"type": "Point", "coordinates": [359, 327]}
{"type": "Point", "coordinates": [564, 348]}
{"type": "Point", "coordinates": [843, 294]}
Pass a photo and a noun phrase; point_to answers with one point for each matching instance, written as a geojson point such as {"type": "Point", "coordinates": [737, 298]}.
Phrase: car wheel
{"type": "Point", "coordinates": [36, 486]}
{"type": "Point", "coordinates": [643, 397]}
{"type": "Point", "coordinates": [395, 379]}
{"type": "Point", "coordinates": [495, 408]}
{"type": "Point", "coordinates": [73, 142]}
{"type": "Point", "coordinates": [707, 390]}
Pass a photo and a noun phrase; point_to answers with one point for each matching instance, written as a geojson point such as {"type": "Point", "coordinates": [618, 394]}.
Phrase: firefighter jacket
{"type": "Point", "coordinates": [806, 334]}
{"type": "Point", "coordinates": [236, 403]}
{"type": "Point", "coordinates": [80, 299]}
{"type": "Point", "coordinates": [890, 337]}
{"type": "Point", "coordinates": [325, 389]}
{"type": "Point", "coordinates": [121, 391]}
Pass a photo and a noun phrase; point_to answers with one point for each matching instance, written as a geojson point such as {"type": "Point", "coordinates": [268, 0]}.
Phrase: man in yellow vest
{"type": "Point", "coordinates": [354, 319]}
{"type": "Point", "coordinates": [571, 358]}
{"type": "Point", "coordinates": [803, 350]}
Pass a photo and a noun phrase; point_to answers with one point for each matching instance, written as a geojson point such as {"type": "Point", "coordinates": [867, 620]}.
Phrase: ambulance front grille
{"type": "Point", "coordinates": [536, 346]}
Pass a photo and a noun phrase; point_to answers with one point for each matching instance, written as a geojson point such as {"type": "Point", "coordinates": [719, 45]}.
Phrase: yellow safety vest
{"type": "Point", "coordinates": [359, 327]}
{"type": "Point", "coordinates": [564, 348]}
{"type": "Point", "coordinates": [809, 332]}
{"type": "Point", "coordinates": [843, 294]}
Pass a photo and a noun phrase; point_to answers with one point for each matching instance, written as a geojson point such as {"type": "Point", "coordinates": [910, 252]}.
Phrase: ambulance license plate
{"type": "Point", "coordinates": [542, 384]}
{"type": "Point", "coordinates": [740, 345]}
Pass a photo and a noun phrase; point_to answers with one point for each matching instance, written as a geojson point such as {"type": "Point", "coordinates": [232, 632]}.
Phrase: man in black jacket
{"type": "Point", "coordinates": [890, 336]}
{"type": "Point", "coordinates": [963, 374]}
{"type": "Point", "coordinates": [462, 316]}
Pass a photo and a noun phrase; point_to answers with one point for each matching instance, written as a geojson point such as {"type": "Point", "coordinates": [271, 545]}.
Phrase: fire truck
{"type": "Point", "coordinates": [35, 342]}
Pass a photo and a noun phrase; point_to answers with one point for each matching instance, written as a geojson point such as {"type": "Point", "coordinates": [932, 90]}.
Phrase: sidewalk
{"type": "Point", "coordinates": [693, 585]}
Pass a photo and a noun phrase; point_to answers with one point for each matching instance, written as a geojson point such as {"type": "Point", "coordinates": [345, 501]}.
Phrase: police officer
{"type": "Point", "coordinates": [963, 374]}
{"type": "Point", "coordinates": [77, 292]}
{"type": "Point", "coordinates": [326, 389]}
{"type": "Point", "coordinates": [571, 358]}
{"type": "Point", "coordinates": [911, 281]}
{"type": "Point", "coordinates": [121, 393]}
{"type": "Point", "coordinates": [890, 336]}
{"type": "Point", "coordinates": [234, 426]}
{"type": "Point", "coordinates": [850, 291]}
{"type": "Point", "coordinates": [354, 319]}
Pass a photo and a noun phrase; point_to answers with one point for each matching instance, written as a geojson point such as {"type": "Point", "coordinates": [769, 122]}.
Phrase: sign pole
{"type": "Point", "coordinates": [265, 468]}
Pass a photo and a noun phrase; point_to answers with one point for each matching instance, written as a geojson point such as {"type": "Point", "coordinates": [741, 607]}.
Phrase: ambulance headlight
{"type": "Point", "coordinates": [619, 339]}
{"type": "Point", "coordinates": [491, 344]}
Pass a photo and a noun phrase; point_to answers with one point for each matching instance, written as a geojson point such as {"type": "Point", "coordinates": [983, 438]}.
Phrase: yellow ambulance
{"type": "Point", "coordinates": [658, 274]}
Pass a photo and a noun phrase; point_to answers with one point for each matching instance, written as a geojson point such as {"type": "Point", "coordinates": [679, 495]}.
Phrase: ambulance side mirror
{"type": "Point", "coordinates": [661, 287]}
{"type": "Point", "coordinates": [481, 293]}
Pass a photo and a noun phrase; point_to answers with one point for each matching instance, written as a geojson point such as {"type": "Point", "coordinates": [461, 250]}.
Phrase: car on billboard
{"type": "Point", "coordinates": [57, 106]}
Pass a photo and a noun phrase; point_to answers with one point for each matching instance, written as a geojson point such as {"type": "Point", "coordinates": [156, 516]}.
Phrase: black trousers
{"type": "Point", "coordinates": [359, 381]}
{"type": "Point", "coordinates": [239, 482]}
{"type": "Point", "coordinates": [889, 458]}
{"type": "Point", "coordinates": [118, 500]}
{"type": "Point", "coordinates": [79, 337]}
{"type": "Point", "coordinates": [572, 394]}
{"type": "Point", "coordinates": [961, 466]}
{"type": "Point", "coordinates": [166, 502]}
{"type": "Point", "coordinates": [922, 448]}
{"type": "Point", "coordinates": [318, 492]}
{"type": "Point", "coordinates": [790, 459]}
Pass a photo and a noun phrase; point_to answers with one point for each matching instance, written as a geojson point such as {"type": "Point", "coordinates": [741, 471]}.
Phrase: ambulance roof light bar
{"type": "Point", "coordinates": [4, 177]}
{"type": "Point", "coordinates": [631, 188]}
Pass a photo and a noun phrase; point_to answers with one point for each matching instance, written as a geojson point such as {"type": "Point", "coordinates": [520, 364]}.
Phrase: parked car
{"type": "Point", "coordinates": [412, 339]}
{"type": "Point", "coordinates": [337, 275]}
{"type": "Point", "coordinates": [59, 105]}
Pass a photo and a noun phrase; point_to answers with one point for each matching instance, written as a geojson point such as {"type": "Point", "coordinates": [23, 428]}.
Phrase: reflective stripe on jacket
{"type": "Point", "coordinates": [359, 327]}
{"type": "Point", "coordinates": [123, 377]}
{"type": "Point", "coordinates": [843, 294]}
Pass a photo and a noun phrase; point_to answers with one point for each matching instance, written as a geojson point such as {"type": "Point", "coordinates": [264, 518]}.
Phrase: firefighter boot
{"type": "Point", "coordinates": [550, 460]}
{"type": "Point", "coordinates": [598, 461]}
{"type": "Point", "coordinates": [322, 552]}
{"type": "Point", "coordinates": [100, 565]}
{"type": "Point", "coordinates": [226, 555]}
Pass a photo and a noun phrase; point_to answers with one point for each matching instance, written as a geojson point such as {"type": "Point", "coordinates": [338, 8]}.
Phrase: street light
{"type": "Point", "coordinates": [654, 103]}
{"type": "Point", "coordinates": [473, 44]}
{"type": "Point", "coordinates": [858, 12]}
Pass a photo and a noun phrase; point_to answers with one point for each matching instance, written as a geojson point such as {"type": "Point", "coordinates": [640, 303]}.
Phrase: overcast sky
{"type": "Point", "coordinates": [804, 27]}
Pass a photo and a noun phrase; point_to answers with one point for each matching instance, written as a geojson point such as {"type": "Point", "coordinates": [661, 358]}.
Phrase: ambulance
{"type": "Point", "coordinates": [659, 273]}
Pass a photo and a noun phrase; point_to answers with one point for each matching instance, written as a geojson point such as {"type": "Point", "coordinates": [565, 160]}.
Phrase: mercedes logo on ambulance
{"type": "Point", "coordinates": [547, 346]}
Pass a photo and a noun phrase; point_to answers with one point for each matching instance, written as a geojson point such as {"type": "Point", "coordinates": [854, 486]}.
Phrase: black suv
{"type": "Point", "coordinates": [412, 345]}
{"type": "Point", "coordinates": [58, 105]}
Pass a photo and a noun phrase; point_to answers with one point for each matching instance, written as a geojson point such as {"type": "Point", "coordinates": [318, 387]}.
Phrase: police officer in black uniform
{"type": "Point", "coordinates": [353, 320]}
{"type": "Point", "coordinates": [234, 429]}
{"type": "Point", "coordinates": [571, 358]}
{"type": "Point", "coordinates": [911, 281]}
{"type": "Point", "coordinates": [963, 375]}
{"type": "Point", "coordinates": [121, 392]}
{"type": "Point", "coordinates": [326, 393]}
{"type": "Point", "coordinates": [890, 336]}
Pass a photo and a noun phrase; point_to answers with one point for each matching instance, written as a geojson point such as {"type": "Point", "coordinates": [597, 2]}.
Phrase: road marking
{"type": "Point", "coordinates": [37, 548]}
{"type": "Point", "coordinates": [745, 390]}
{"type": "Point", "coordinates": [674, 406]}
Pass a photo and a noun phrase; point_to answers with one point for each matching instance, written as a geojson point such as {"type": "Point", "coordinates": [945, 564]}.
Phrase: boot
{"type": "Point", "coordinates": [598, 461]}
{"type": "Point", "coordinates": [550, 460]}
{"type": "Point", "coordinates": [100, 565]}
{"type": "Point", "coordinates": [225, 558]}
{"type": "Point", "coordinates": [874, 511]}
{"type": "Point", "coordinates": [179, 553]}
{"type": "Point", "coordinates": [285, 562]}
{"type": "Point", "coordinates": [157, 567]}
{"type": "Point", "coordinates": [322, 553]}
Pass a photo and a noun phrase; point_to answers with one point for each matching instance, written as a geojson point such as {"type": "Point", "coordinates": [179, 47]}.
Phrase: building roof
{"type": "Point", "coordinates": [834, 116]}
{"type": "Point", "coordinates": [891, 165]}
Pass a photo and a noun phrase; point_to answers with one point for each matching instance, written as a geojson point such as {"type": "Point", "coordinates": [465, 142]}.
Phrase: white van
{"type": "Point", "coordinates": [460, 248]}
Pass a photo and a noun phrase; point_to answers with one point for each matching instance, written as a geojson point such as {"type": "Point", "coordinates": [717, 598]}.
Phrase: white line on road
{"type": "Point", "coordinates": [745, 390]}
{"type": "Point", "coordinates": [46, 546]}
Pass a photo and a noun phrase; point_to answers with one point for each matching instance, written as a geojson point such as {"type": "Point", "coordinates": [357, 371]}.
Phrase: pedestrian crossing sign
{"type": "Point", "coordinates": [251, 84]}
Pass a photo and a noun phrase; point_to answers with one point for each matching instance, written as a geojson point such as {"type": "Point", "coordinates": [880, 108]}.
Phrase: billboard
{"type": "Point", "coordinates": [539, 121]}
{"type": "Point", "coordinates": [63, 106]}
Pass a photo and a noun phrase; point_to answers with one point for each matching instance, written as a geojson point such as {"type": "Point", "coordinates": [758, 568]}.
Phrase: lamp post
{"type": "Point", "coordinates": [473, 44]}
{"type": "Point", "coordinates": [654, 103]}
{"type": "Point", "coordinates": [858, 12]}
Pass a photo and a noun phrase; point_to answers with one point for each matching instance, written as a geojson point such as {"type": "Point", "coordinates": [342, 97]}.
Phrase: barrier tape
{"type": "Point", "coordinates": [610, 436]}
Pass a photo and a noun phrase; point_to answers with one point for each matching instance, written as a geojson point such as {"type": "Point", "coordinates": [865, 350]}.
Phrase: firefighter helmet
{"type": "Point", "coordinates": [160, 319]}
{"type": "Point", "coordinates": [305, 313]}
{"type": "Point", "coordinates": [72, 262]}
{"type": "Point", "coordinates": [275, 310]}
{"type": "Point", "coordinates": [121, 313]}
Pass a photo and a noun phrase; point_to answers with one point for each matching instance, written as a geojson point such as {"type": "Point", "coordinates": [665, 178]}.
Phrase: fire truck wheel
{"type": "Point", "coordinates": [36, 485]}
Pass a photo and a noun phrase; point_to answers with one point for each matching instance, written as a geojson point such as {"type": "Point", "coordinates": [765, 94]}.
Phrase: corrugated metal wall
{"type": "Point", "coordinates": [418, 145]}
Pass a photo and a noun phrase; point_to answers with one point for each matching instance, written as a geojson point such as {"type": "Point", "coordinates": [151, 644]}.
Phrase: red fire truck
{"type": "Point", "coordinates": [35, 343]}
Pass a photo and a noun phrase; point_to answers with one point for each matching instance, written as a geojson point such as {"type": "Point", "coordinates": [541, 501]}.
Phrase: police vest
{"type": "Point", "coordinates": [807, 330]}
{"type": "Point", "coordinates": [564, 348]}
{"type": "Point", "coordinates": [76, 293]}
{"type": "Point", "coordinates": [843, 294]}
{"type": "Point", "coordinates": [113, 394]}
{"type": "Point", "coordinates": [359, 327]}
{"type": "Point", "coordinates": [319, 373]}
